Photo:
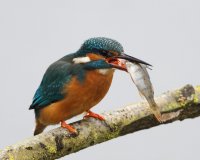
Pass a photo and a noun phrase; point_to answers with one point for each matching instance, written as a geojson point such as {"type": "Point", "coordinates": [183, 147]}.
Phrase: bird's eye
{"type": "Point", "coordinates": [106, 53]}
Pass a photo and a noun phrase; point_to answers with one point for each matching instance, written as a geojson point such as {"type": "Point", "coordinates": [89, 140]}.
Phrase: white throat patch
{"type": "Point", "coordinates": [81, 60]}
{"type": "Point", "coordinates": [104, 71]}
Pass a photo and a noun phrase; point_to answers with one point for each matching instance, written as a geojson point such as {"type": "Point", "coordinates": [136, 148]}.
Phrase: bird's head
{"type": "Point", "coordinates": [101, 52]}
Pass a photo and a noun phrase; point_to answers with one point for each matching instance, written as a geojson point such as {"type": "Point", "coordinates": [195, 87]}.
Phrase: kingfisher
{"type": "Point", "coordinates": [77, 82]}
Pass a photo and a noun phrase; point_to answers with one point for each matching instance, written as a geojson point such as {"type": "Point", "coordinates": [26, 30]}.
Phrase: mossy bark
{"type": "Point", "coordinates": [178, 105]}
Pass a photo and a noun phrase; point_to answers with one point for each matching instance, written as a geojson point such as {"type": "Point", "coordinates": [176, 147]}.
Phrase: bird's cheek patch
{"type": "Point", "coordinates": [94, 57]}
{"type": "Point", "coordinates": [81, 60]}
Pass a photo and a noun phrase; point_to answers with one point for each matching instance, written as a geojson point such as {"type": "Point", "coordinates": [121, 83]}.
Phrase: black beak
{"type": "Point", "coordinates": [118, 63]}
{"type": "Point", "coordinates": [131, 59]}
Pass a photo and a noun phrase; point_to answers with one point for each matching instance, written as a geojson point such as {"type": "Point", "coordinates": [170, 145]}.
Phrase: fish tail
{"type": "Point", "coordinates": [156, 111]}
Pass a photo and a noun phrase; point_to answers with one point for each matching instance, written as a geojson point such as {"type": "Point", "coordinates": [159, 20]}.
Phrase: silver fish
{"type": "Point", "coordinates": [142, 81]}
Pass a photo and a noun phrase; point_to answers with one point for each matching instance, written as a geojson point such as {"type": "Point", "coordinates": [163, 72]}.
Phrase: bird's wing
{"type": "Point", "coordinates": [51, 87]}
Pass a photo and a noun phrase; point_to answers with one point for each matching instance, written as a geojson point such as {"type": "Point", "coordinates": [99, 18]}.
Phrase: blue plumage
{"type": "Point", "coordinates": [97, 65]}
{"type": "Point", "coordinates": [51, 87]}
{"type": "Point", "coordinates": [101, 43]}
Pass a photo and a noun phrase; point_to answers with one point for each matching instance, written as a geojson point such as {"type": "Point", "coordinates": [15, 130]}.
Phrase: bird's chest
{"type": "Point", "coordinates": [91, 90]}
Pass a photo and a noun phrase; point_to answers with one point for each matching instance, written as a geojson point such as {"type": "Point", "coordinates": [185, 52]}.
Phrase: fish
{"type": "Point", "coordinates": [141, 79]}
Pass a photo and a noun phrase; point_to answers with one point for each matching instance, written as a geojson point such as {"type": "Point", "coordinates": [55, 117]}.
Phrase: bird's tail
{"type": "Point", "coordinates": [39, 127]}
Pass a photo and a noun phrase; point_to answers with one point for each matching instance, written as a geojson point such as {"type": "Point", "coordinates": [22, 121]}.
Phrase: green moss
{"type": "Point", "coordinates": [11, 157]}
{"type": "Point", "coordinates": [196, 99]}
{"type": "Point", "coordinates": [95, 136]}
{"type": "Point", "coordinates": [178, 93]}
{"type": "Point", "coordinates": [183, 104]}
{"type": "Point", "coordinates": [142, 114]}
{"type": "Point", "coordinates": [197, 88]}
{"type": "Point", "coordinates": [51, 149]}
{"type": "Point", "coordinates": [113, 135]}
{"type": "Point", "coordinates": [172, 105]}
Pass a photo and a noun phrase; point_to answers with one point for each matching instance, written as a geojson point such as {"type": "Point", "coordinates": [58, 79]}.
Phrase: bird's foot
{"type": "Point", "coordinates": [94, 115]}
{"type": "Point", "coordinates": [68, 127]}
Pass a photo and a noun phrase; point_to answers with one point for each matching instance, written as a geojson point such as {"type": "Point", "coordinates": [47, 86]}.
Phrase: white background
{"type": "Point", "coordinates": [165, 33]}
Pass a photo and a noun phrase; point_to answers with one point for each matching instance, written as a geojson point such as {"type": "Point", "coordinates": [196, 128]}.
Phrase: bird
{"type": "Point", "coordinates": [77, 82]}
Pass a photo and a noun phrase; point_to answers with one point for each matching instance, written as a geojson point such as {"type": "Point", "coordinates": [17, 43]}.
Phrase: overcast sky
{"type": "Point", "coordinates": [166, 33]}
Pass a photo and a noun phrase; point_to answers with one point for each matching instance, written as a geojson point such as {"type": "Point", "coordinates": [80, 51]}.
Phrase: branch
{"type": "Point", "coordinates": [178, 105]}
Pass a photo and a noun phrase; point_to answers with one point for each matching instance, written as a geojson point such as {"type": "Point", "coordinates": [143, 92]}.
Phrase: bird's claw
{"type": "Point", "coordinates": [94, 115]}
{"type": "Point", "coordinates": [68, 127]}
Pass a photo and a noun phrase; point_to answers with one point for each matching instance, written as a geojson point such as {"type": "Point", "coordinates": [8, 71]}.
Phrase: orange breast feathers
{"type": "Point", "coordinates": [80, 97]}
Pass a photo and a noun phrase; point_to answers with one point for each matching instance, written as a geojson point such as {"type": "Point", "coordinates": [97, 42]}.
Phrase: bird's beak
{"type": "Point", "coordinates": [118, 62]}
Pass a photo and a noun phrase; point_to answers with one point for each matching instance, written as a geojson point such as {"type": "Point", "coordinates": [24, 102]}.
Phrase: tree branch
{"type": "Point", "coordinates": [178, 105]}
